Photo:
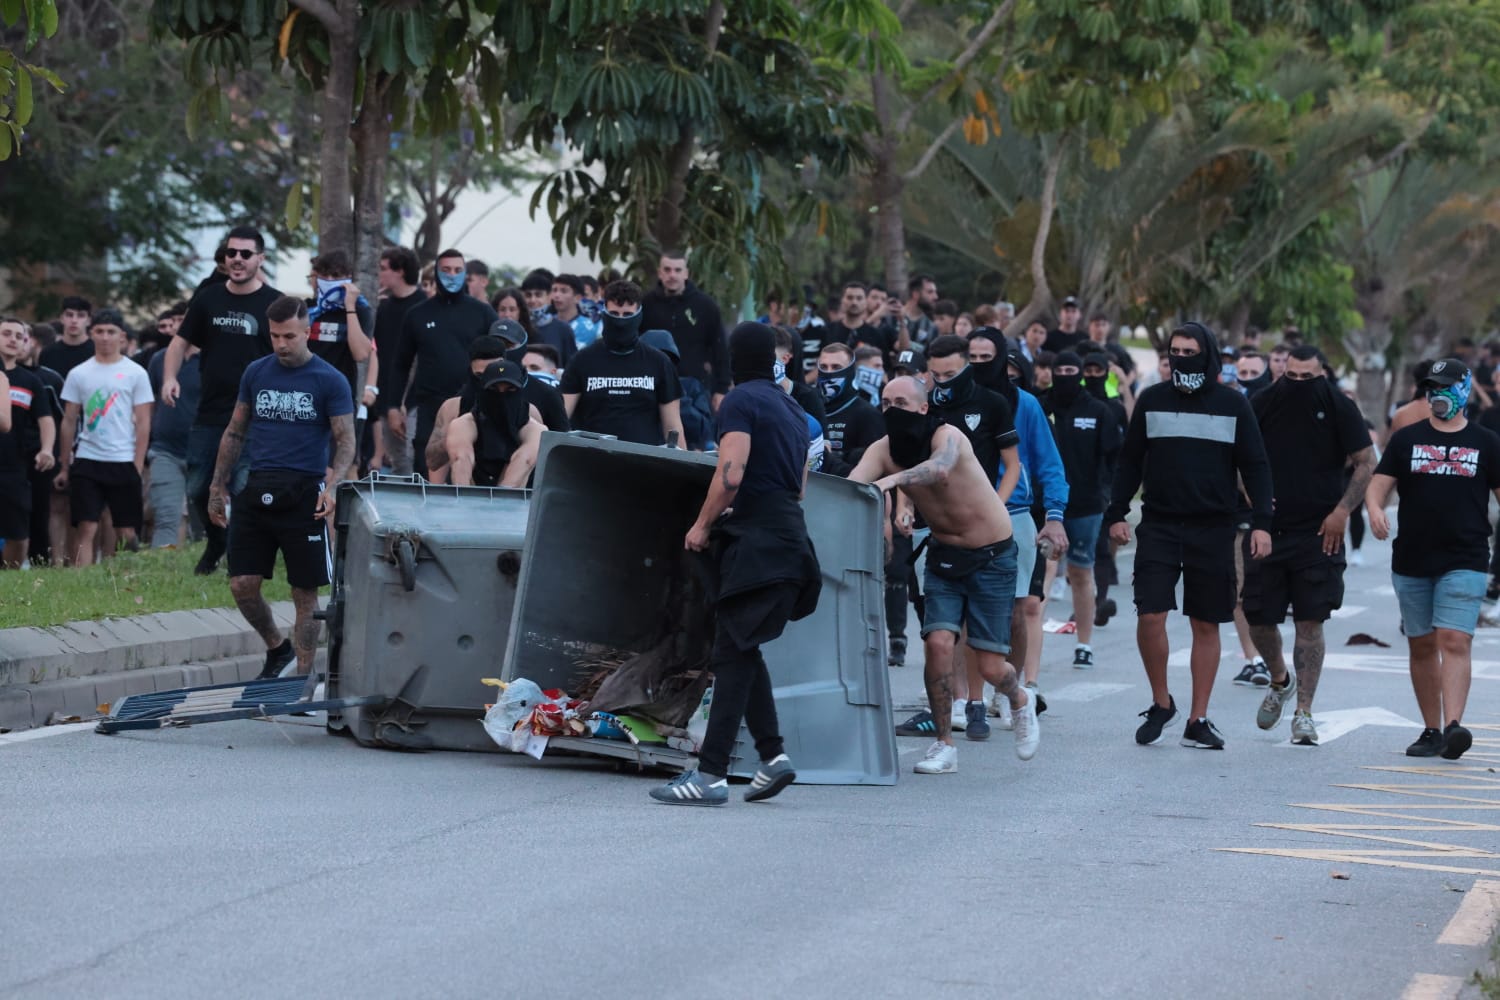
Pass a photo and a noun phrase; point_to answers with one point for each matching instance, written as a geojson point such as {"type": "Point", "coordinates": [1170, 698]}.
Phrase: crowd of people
{"type": "Point", "coordinates": [1010, 466]}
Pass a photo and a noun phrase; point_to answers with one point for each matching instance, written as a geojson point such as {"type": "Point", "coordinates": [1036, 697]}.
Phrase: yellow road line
{"type": "Point", "coordinates": [1477, 915]}
{"type": "Point", "coordinates": [1426, 986]}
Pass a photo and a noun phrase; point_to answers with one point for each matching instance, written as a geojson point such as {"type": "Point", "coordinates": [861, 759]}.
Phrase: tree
{"type": "Point", "coordinates": [38, 20]}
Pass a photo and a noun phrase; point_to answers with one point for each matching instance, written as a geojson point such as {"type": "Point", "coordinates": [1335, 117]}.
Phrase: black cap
{"type": "Point", "coordinates": [503, 372]}
{"type": "Point", "coordinates": [508, 330]}
{"type": "Point", "coordinates": [911, 361]}
{"type": "Point", "coordinates": [1446, 372]}
{"type": "Point", "coordinates": [1098, 358]}
{"type": "Point", "coordinates": [109, 317]}
{"type": "Point", "coordinates": [1071, 302]}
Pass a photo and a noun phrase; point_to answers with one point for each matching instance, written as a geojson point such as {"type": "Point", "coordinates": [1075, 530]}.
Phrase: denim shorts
{"type": "Point", "coordinates": [1083, 539]}
{"type": "Point", "coordinates": [1449, 601]}
{"type": "Point", "coordinates": [982, 600]}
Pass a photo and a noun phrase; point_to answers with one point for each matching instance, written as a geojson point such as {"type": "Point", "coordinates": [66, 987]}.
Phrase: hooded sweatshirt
{"type": "Point", "coordinates": [1191, 448]}
{"type": "Point", "coordinates": [693, 320]}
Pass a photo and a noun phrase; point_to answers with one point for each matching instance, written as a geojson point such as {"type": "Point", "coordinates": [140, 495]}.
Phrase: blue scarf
{"type": "Point", "coordinates": [331, 298]}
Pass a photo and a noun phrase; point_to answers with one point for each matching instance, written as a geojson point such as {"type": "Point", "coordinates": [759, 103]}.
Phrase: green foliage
{"type": "Point", "coordinates": [19, 78]}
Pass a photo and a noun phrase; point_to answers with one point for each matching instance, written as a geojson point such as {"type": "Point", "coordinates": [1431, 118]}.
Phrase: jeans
{"type": "Point", "coordinates": [983, 601]}
{"type": "Point", "coordinates": [1451, 601]}
{"type": "Point", "coordinates": [168, 493]}
{"type": "Point", "coordinates": [202, 455]}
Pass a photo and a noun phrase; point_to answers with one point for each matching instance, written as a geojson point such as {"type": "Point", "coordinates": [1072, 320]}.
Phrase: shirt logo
{"type": "Point", "coordinates": [326, 333]}
{"type": "Point", "coordinates": [1440, 460]}
{"type": "Point", "coordinates": [237, 323]}
{"type": "Point", "coordinates": [98, 407]}
{"type": "Point", "coordinates": [272, 404]}
{"type": "Point", "coordinates": [647, 382]}
{"type": "Point", "coordinates": [1085, 423]}
{"type": "Point", "coordinates": [971, 421]}
{"type": "Point", "coordinates": [266, 498]}
{"type": "Point", "coordinates": [20, 397]}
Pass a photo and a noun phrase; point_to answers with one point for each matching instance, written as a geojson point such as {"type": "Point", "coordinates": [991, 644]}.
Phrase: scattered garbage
{"type": "Point", "coordinates": [1362, 639]}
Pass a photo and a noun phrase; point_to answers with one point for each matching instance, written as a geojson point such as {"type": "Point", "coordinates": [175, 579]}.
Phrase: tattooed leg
{"type": "Point", "coordinates": [938, 677]}
{"type": "Point", "coordinates": [1007, 681]}
{"type": "Point", "coordinates": [307, 630]}
{"type": "Point", "coordinates": [1267, 639]}
{"type": "Point", "coordinates": [246, 591]}
{"type": "Point", "coordinates": [1307, 655]}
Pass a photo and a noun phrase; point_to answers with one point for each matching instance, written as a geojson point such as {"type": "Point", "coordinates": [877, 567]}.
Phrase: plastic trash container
{"type": "Point", "coordinates": [423, 585]}
{"type": "Point", "coordinates": [605, 537]}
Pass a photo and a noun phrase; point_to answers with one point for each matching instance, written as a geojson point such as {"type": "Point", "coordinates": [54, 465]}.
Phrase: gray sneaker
{"type": "Point", "coordinates": [1274, 703]}
{"type": "Point", "coordinates": [692, 789]}
{"type": "Point", "coordinates": [978, 725]}
{"type": "Point", "coordinates": [1304, 733]}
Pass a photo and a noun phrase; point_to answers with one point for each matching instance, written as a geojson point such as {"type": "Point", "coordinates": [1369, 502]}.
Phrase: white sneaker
{"type": "Point", "coordinates": [1028, 732]}
{"type": "Point", "coordinates": [960, 718]}
{"type": "Point", "coordinates": [942, 758]}
{"type": "Point", "coordinates": [1059, 589]}
{"type": "Point", "coordinates": [1000, 708]}
{"type": "Point", "coordinates": [1356, 558]}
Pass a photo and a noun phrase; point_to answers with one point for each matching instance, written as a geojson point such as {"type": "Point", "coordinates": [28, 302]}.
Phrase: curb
{"type": "Point", "coordinates": [72, 669]}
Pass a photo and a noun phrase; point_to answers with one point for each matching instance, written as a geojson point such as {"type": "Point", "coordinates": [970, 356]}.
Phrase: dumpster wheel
{"type": "Point", "coordinates": [405, 553]}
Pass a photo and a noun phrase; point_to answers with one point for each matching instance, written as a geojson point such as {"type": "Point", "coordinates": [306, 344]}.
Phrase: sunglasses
{"type": "Point", "coordinates": [240, 252]}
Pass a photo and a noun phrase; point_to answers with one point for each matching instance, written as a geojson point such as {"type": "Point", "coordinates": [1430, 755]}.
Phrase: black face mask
{"type": "Point", "coordinates": [909, 435]}
{"type": "Point", "coordinates": [1065, 389]}
{"type": "Point", "coordinates": [954, 391]}
{"type": "Point", "coordinates": [1097, 385]}
{"type": "Point", "coordinates": [984, 373]}
{"type": "Point", "coordinates": [620, 333]}
{"type": "Point", "coordinates": [1258, 384]}
{"type": "Point", "coordinates": [1189, 374]}
{"type": "Point", "coordinates": [504, 413]}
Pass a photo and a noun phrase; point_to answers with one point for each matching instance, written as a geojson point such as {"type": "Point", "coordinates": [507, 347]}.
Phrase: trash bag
{"type": "Point", "coordinates": [517, 701]}
{"type": "Point", "coordinates": [658, 684]}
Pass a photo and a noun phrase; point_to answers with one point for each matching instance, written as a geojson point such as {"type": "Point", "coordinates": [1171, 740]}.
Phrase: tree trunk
{"type": "Point", "coordinates": [1041, 291]}
{"type": "Point", "coordinates": [372, 150]}
{"type": "Point", "coordinates": [1367, 348]}
{"type": "Point", "coordinates": [1239, 322]}
{"type": "Point", "coordinates": [668, 214]}
{"type": "Point", "coordinates": [336, 109]}
{"type": "Point", "coordinates": [886, 180]}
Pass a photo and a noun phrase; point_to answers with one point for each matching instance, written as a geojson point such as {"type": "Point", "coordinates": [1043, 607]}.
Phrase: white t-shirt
{"type": "Point", "coordinates": [107, 395]}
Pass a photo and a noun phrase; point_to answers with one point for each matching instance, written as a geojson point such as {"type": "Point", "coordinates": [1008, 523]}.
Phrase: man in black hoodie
{"type": "Point", "coordinates": [850, 423]}
{"type": "Point", "coordinates": [436, 336]}
{"type": "Point", "coordinates": [679, 307]}
{"type": "Point", "coordinates": [1192, 440]}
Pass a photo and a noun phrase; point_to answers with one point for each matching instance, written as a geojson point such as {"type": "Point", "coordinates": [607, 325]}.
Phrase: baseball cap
{"type": "Point", "coordinates": [910, 361]}
{"type": "Point", "coordinates": [503, 372]}
{"type": "Point", "coordinates": [1071, 302]}
{"type": "Point", "coordinates": [1098, 358]}
{"type": "Point", "coordinates": [508, 330]}
{"type": "Point", "coordinates": [1445, 372]}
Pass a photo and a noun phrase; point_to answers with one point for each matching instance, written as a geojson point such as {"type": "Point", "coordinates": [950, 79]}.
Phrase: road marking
{"type": "Point", "coordinates": [1332, 725]}
{"type": "Point", "coordinates": [1085, 691]}
{"type": "Point", "coordinates": [1477, 915]}
{"type": "Point", "coordinates": [1426, 986]}
{"type": "Point", "coordinates": [43, 732]}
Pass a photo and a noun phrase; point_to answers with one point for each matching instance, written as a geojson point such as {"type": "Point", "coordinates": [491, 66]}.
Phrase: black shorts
{"type": "Point", "coordinates": [1296, 573]}
{"type": "Point", "coordinates": [1201, 553]}
{"type": "Point", "coordinates": [15, 504]}
{"type": "Point", "coordinates": [265, 519]}
{"type": "Point", "coordinates": [93, 486]}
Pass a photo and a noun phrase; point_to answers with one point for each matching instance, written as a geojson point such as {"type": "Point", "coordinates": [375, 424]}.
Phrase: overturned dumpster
{"type": "Point", "coordinates": [604, 581]}
{"type": "Point", "coordinates": [424, 582]}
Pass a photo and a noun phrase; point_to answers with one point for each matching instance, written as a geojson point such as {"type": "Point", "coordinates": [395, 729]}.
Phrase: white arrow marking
{"type": "Point", "coordinates": [1332, 725]}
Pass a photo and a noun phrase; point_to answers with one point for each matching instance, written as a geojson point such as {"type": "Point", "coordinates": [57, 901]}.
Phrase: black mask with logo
{"type": "Point", "coordinates": [909, 435]}
{"type": "Point", "coordinates": [956, 390]}
{"type": "Point", "coordinates": [837, 387]}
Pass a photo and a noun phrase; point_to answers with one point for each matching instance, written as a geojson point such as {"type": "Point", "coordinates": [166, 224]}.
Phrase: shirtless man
{"type": "Point", "coordinates": [971, 559]}
{"type": "Point", "coordinates": [495, 443]}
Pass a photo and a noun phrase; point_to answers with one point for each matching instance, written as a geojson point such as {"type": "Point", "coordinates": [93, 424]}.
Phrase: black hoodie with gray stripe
{"type": "Point", "coordinates": [1192, 449]}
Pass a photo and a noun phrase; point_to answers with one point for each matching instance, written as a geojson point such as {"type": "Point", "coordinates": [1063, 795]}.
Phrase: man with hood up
{"type": "Point", "coordinates": [752, 527]}
{"type": "Point", "coordinates": [1312, 431]}
{"type": "Point", "coordinates": [495, 443]}
{"type": "Point", "coordinates": [435, 336]}
{"type": "Point", "coordinates": [617, 385]}
{"type": "Point", "coordinates": [1192, 440]}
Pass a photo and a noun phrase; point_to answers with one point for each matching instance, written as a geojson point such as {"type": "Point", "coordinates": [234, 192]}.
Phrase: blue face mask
{"type": "Point", "coordinates": [778, 370]}
{"type": "Point", "coordinates": [452, 283]}
{"type": "Point", "coordinates": [1449, 402]}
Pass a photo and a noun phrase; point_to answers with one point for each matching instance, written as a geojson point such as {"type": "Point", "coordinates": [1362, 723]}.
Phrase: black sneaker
{"type": "Point", "coordinates": [1083, 659]}
{"type": "Point", "coordinates": [209, 561]}
{"type": "Point", "coordinates": [1149, 734]}
{"type": "Point", "coordinates": [1262, 676]}
{"type": "Point", "coordinates": [1104, 612]}
{"type": "Point", "coordinates": [1429, 744]}
{"type": "Point", "coordinates": [1201, 734]}
{"type": "Point", "coordinates": [1246, 676]}
{"type": "Point", "coordinates": [921, 724]}
{"type": "Point", "coordinates": [1456, 741]}
{"type": "Point", "coordinates": [1492, 592]}
{"type": "Point", "coordinates": [277, 659]}
{"type": "Point", "coordinates": [897, 657]}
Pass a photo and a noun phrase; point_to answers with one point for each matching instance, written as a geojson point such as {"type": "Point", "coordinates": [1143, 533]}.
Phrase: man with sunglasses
{"type": "Point", "coordinates": [227, 322]}
{"type": "Point", "coordinates": [1312, 431]}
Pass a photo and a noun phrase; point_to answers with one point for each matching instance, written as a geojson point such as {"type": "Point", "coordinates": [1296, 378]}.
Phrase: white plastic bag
{"type": "Point", "coordinates": [514, 706]}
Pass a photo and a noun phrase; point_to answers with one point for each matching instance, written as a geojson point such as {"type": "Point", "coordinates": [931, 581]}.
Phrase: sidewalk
{"type": "Point", "coordinates": [68, 671]}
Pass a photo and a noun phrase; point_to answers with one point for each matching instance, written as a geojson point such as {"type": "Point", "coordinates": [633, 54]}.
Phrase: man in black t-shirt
{"type": "Point", "coordinates": [1312, 431]}
{"type": "Point", "coordinates": [340, 322]}
{"type": "Point", "coordinates": [1445, 468]}
{"type": "Point", "coordinates": [227, 322]}
{"type": "Point", "coordinates": [617, 385]}
{"type": "Point", "coordinates": [398, 277]}
{"type": "Point", "coordinates": [1067, 336]}
{"type": "Point", "coordinates": [73, 348]}
{"type": "Point", "coordinates": [752, 526]}
{"type": "Point", "coordinates": [26, 449]}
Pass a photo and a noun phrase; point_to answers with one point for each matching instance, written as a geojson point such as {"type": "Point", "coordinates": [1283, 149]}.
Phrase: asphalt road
{"type": "Point", "coordinates": [257, 859]}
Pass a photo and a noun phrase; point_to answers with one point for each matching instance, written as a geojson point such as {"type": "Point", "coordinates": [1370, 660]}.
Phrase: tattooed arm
{"type": "Point", "coordinates": [1332, 529]}
{"type": "Point", "coordinates": [230, 446]}
{"type": "Point", "coordinates": [945, 455]}
{"type": "Point", "coordinates": [734, 452]}
{"type": "Point", "coordinates": [343, 457]}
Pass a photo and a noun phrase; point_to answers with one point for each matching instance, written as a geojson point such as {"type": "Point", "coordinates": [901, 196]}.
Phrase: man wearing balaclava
{"type": "Point", "coordinates": [1446, 468]}
{"type": "Point", "coordinates": [971, 562]}
{"type": "Point", "coordinates": [1312, 431]}
{"type": "Point", "coordinates": [850, 423]}
{"type": "Point", "coordinates": [1088, 439]}
{"type": "Point", "coordinates": [620, 386]}
{"type": "Point", "coordinates": [435, 335]}
{"type": "Point", "coordinates": [1192, 440]}
{"type": "Point", "coordinates": [753, 533]}
{"type": "Point", "coordinates": [495, 443]}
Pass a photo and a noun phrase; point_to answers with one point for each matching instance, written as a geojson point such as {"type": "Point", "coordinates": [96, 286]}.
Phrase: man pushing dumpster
{"type": "Point", "coordinates": [753, 538]}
